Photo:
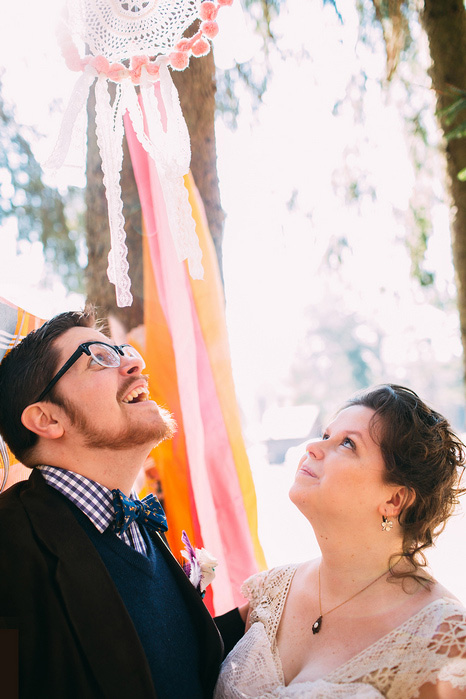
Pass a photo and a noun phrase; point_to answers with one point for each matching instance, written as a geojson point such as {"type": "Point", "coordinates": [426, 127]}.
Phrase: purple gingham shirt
{"type": "Point", "coordinates": [95, 500]}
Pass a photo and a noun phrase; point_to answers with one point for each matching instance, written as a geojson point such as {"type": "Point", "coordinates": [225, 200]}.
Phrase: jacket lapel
{"type": "Point", "coordinates": [92, 602]}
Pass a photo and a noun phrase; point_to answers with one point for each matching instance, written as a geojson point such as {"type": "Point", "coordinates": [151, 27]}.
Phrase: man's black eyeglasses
{"type": "Point", "coordinates": [102, 353]}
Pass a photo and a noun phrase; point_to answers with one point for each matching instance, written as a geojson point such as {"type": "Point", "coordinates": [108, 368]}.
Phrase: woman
{"type": "Point", "coordinates": [365, 620]}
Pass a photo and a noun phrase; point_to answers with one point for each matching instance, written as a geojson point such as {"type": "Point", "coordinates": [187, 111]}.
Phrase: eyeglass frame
{"type": "Point", "coordinates": [83, 348]}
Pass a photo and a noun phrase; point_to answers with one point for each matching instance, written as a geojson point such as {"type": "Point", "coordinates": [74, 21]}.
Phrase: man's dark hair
{"type": "Point", "coordinates": [25, 371]}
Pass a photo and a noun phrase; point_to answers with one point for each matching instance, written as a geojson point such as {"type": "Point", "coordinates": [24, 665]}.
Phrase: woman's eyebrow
{"type": "Point", "coordinates": [355, 433]}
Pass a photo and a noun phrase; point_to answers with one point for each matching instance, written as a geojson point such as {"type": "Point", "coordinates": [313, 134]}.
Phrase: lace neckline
{"type": "Point", "coordinates": [333, 674]}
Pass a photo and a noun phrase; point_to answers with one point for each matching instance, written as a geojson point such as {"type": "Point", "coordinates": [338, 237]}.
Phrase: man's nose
{"type": "Point", "coordinates": [131, 365]}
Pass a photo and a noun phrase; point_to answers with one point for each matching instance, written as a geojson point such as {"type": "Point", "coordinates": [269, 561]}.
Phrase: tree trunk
{"type": "Point", "coordinates": [196, 88]}
{"type": "Point", "coordinates": [445, 24]}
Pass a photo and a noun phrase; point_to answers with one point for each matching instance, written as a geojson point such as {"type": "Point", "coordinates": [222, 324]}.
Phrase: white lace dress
{"type": "Point", "coordinates": [428, 647]}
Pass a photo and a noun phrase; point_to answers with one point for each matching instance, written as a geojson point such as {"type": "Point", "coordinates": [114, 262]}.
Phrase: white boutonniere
{"type": "Point", "coordinates": [199, 566]}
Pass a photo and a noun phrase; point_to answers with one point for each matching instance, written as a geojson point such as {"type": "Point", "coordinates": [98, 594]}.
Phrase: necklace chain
{"type": "Point", "coordinates": [316, 626]}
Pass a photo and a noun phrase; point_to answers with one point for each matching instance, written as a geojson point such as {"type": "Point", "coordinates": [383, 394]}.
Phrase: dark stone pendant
{"type": "Point", "coordinates": [316, 625]}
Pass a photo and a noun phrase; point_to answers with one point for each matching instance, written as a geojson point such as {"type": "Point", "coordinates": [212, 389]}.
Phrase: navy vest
{"type": "Point", "coordinates": [157, 609]}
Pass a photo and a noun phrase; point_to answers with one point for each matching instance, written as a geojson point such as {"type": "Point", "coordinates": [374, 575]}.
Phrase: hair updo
{"type": "Point", "coordinates": [422, 453]}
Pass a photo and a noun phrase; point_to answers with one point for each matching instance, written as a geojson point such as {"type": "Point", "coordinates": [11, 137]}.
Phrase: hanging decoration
{"type": "Point", "coordinates": [134, 44]}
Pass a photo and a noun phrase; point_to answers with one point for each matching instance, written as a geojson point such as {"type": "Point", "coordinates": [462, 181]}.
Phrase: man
{"type": "Point", "coordinates": [102, 607]}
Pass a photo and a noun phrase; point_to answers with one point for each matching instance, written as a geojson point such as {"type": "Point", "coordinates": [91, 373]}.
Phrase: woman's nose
{"type": "Point", "coordinates": [315, 449]}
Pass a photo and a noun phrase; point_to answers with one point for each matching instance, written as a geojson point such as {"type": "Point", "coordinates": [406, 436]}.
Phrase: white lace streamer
{"type": "Point", "coordinates": [75, 106]}
{"type": "Point", "coordinates": [109, 128]}
{"type": "Point", "coordinates": [173, 153]}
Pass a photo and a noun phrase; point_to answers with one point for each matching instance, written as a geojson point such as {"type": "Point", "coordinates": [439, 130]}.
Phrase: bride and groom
{"type": "Point", "coordinates": [105, 611]}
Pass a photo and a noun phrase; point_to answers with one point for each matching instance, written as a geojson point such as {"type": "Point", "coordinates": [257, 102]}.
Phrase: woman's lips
{"type": "Point", "coordinates": [304, 467]}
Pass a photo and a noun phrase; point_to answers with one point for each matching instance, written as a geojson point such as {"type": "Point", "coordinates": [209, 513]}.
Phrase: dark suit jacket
{"type": "Point", "coordinates": [76, 638]}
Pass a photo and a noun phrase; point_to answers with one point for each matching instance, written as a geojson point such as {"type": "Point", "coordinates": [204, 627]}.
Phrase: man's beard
{"type": "Point", "coordinates": [134, 433]}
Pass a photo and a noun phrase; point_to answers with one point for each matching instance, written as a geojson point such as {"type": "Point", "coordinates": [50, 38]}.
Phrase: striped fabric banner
{"type": "Point", "coordinates": [205, 475]}
{"type": "Point", "coordinates": [15, 323]}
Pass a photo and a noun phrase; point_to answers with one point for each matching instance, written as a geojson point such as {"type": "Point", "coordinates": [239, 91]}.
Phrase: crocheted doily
{"type": "Point", "coordinates": [119, 29]}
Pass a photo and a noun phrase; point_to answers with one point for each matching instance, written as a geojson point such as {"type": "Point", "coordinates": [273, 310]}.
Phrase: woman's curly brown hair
{"type": "Point", "coordinates": [422, 453]}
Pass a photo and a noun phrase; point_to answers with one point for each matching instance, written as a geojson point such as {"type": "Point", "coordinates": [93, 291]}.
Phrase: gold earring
{"type": "Point", "coordinates": [387, 524]}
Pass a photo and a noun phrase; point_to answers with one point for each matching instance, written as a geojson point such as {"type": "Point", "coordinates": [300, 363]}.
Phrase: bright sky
{"type": "Point", "coordinates": [295, 141]}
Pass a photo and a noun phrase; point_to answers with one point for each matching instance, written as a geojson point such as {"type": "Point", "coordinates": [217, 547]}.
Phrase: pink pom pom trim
{"type": "Point", "coordinates": [138, 61]}
{"type": "Point", "coordinates": [208, 10]}
{"type": "Point", "coordinates": [153, 70]}
{"type": "Point", "coordinates": [179, 60]}
{"type": "Point", "coordinates": [117, 72]}
{"type": "Point", "coordinates": [183, 45]}
{"type": "Point", "coordinates": [72, 58]}
{"type": "Point", "coordinates": [101, 64]}
{"type": "Point", "coordinates": [200, 48]}
{"type": "Point", "coordinates": [209, 29]}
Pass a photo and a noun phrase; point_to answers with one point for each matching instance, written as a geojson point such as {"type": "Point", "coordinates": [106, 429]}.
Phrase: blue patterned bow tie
{"type": "Point", "coordinates": [148, 511]}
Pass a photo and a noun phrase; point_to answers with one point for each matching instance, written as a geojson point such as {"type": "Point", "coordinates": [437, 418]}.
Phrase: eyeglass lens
{"type": "Point", "coordinates": [107, 356]}
{"type": "Point", "coordinates": [130, 351]}
{"type": "Point", "coordinates": [104, 355]}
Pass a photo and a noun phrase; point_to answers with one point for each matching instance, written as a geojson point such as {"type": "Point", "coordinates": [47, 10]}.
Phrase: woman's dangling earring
{"type": "Point", "coordinates": [387, 524]}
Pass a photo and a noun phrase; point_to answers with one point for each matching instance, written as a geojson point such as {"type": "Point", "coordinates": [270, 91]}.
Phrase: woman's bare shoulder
{"type": "Point", "coordinates": [439, 591]}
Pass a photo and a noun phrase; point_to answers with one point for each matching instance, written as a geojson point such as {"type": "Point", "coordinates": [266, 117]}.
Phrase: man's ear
{"type": "Point", "coordinates": [40, 419]}
{"type": "Point", "coordinates": [400, 498]}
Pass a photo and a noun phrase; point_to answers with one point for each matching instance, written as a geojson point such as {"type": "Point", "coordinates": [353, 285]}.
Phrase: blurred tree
{"type": "Point", "coordinates": [444, 22]}
{"type": "Point", "coordinates": [339, 355]}
{"type": "Point", "coordinates": [42, 212]}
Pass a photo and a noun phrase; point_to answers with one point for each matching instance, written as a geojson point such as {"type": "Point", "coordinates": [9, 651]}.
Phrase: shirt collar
{"type": "Point", "coordinates": [93, 499]}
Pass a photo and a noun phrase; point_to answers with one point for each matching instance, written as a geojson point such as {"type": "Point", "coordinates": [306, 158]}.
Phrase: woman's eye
{"type": "Point", "coordinates": [347, 442]}
{"type": "Point", "coordinates": [325, 436]}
